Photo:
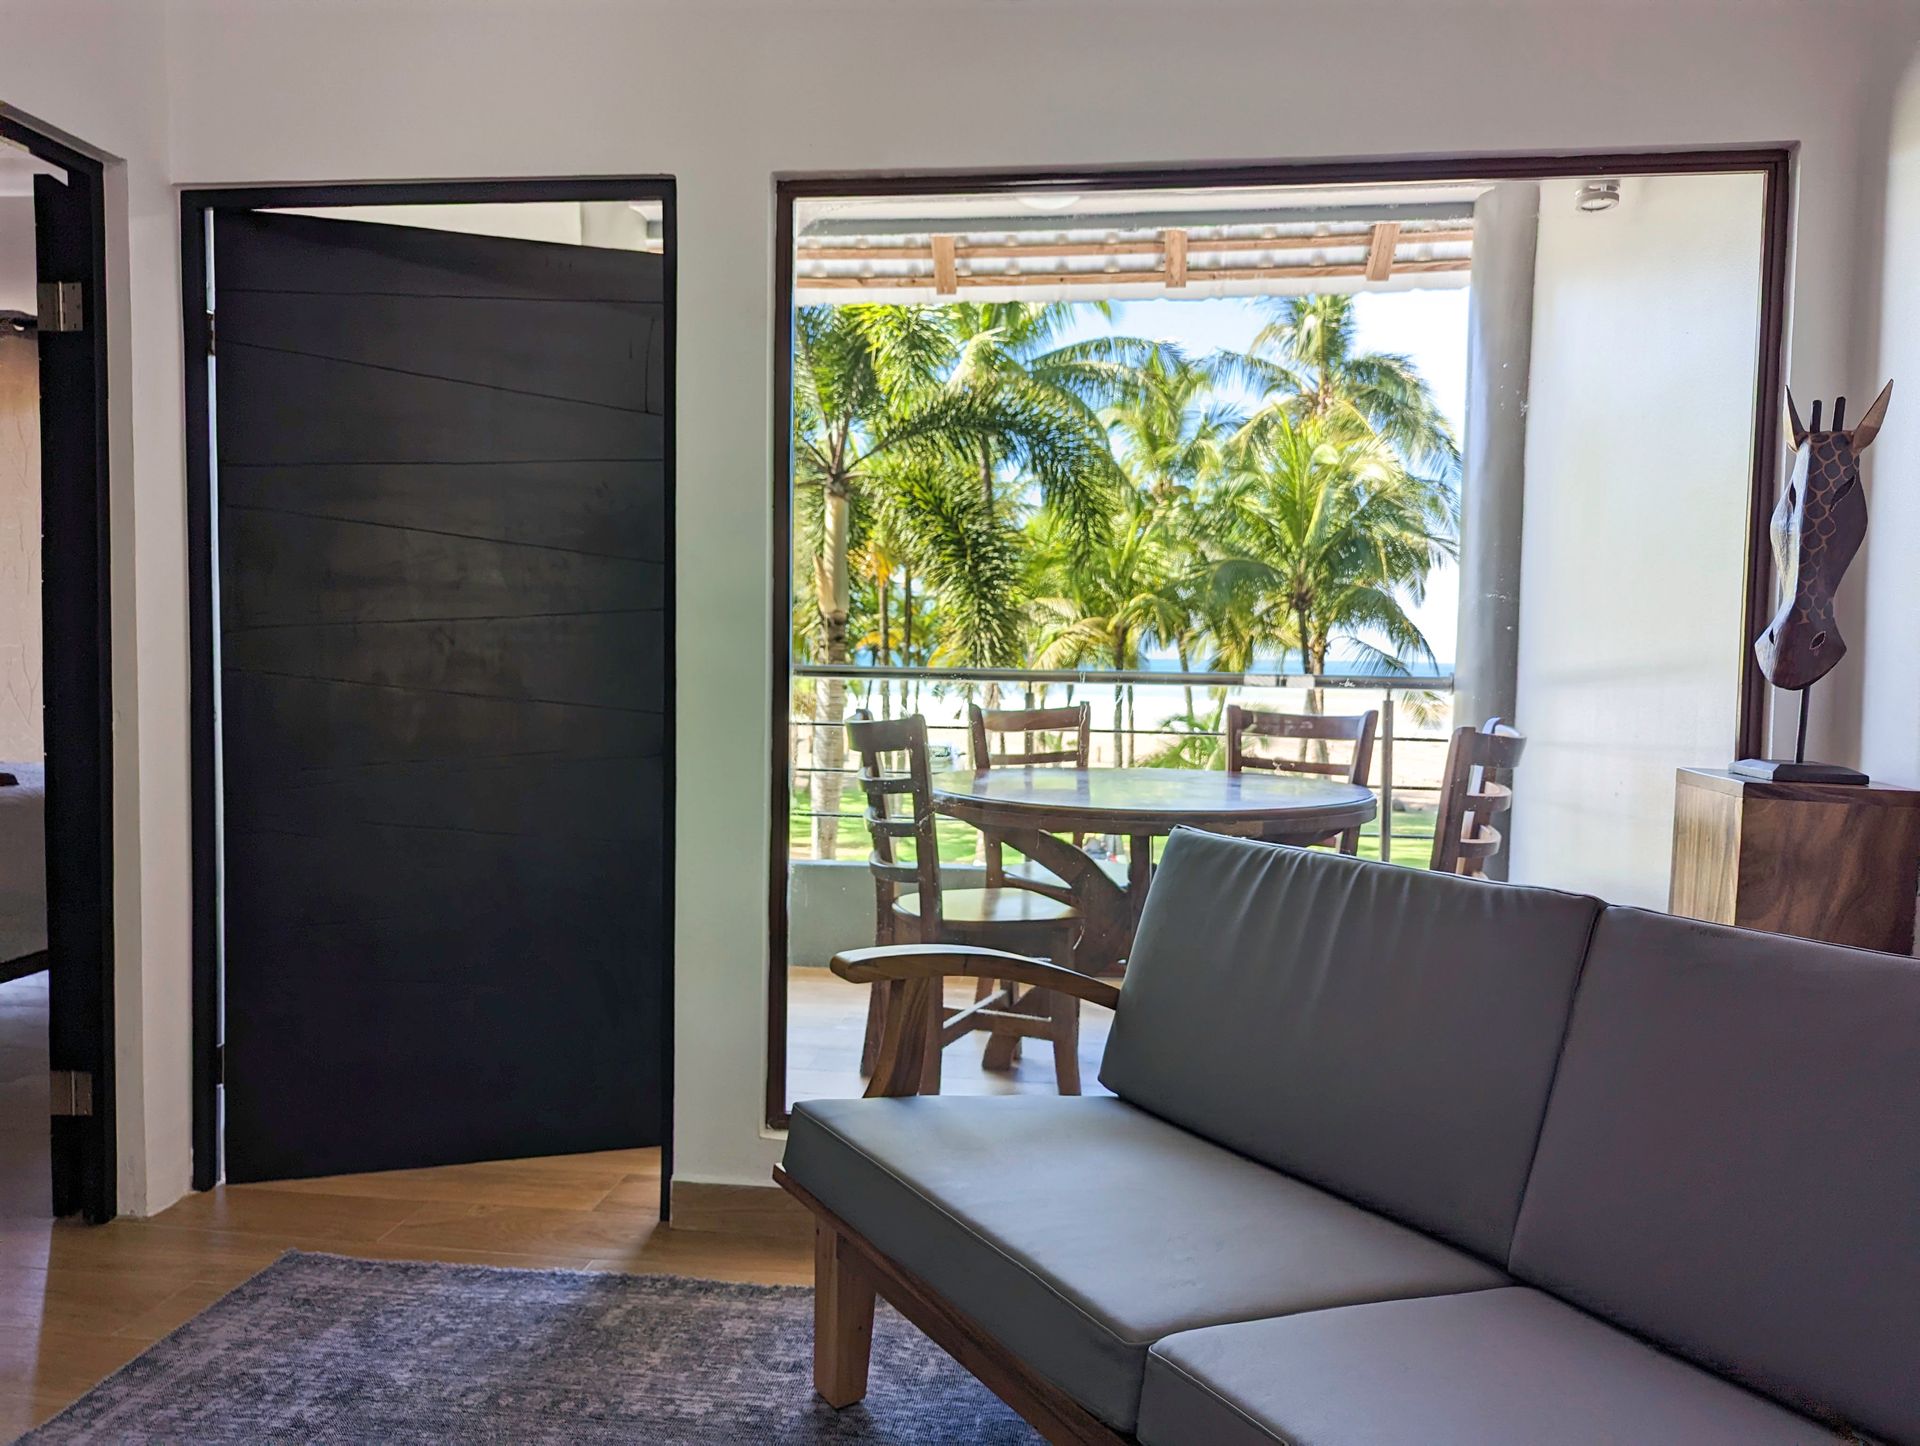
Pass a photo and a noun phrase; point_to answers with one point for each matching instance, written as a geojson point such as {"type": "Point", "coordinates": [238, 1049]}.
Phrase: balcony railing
{"type": "Point", "coordinates": [1409, 750]}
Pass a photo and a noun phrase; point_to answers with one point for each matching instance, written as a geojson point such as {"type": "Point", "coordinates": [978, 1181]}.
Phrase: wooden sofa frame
{"type": "Point", "coordinates": [848, 1272]}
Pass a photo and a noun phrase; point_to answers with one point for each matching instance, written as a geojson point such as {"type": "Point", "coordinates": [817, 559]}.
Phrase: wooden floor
{"type": "Point", "coordinates": [77, 1302]}
{"type": "Point", "coordinates": [826, 1019]}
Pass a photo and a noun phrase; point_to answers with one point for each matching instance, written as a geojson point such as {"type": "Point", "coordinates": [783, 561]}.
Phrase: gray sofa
{"type": "Point", "coordinates": [1403, 1158]}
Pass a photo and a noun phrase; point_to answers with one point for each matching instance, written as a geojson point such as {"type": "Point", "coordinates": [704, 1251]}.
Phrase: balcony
{"type": "Point", "coordinates": [1140, 719]}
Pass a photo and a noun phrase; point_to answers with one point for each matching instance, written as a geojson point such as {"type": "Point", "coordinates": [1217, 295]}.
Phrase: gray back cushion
{"type": "Point", "coordinates": [1386, 1033]}
{"type": "Point", "coordinates": [1731, 1161]}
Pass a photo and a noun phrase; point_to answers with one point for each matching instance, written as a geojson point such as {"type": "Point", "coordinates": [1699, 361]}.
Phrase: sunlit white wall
{"type": "Point", "coordinates": [1639, 433]}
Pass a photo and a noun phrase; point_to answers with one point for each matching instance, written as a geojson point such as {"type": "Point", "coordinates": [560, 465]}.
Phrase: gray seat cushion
{"type": "Point", "coordinates": [1078, 1232]}
{"type": "Point", "coordinates": [1730, 1163]}
{"type": "Point", "coordinates": [1494, 1368]}
{"type": "Point", "coordinates": [1384, 1032]}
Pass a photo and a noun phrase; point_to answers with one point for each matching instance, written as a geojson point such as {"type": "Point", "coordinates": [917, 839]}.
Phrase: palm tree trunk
{"type": "Point", "coordinates": [906, 638]}
{"type": "Point", "coordinates": [1317, 698]}
{"type": "Point", "coordinates": [886, 650]}
{"type": "Point", "coordinates": [833, 590]}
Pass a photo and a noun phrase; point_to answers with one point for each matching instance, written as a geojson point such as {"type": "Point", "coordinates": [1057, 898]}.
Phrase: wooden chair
{"type": "Point", "coordinates": [1354, 728]}
{"type": "Point", "coordinates": [1019, 921]}
{"type": "Point", "coordinates": [1073, 726]}
{"type": "Point", "coordinates": [1476, 788]}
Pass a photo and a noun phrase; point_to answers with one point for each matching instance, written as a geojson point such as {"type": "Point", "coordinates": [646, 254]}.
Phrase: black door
{"type": "Point", "coordinates": [444, 632]}
{"type": "Point", "coordinates": [69, 258]}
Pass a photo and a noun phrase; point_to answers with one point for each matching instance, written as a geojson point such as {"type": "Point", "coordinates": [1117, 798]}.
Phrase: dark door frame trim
{"type": "Point", "coordinates": [85, 1149]}
{"type": "Point", "coordinates": [197, 208]}
{"type": "Point", "coordinates": [1773, 162]}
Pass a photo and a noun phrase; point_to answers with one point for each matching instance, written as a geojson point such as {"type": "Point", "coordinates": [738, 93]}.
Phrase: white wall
{"type": "Point", "coordinates": [20, 677]}
{"type": "Point", "coordinates": [1633, 545]}
{"type": "Point", "coordinates": [724, 95]}
{"type": "Point", "coordinates": [1883, 628]}
{"type": "Point", "coordinates": [528, 220]}
{"type": "Point", "coordinates": [96, 70]}
{"type": "Point", "coordinates": [21, 738]}
{"type": "Point", "coordinates": [708, 94]}
{"type": "Point", "coordinates": [17, 276]}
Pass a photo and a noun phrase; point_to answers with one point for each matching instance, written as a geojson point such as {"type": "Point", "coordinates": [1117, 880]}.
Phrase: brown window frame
{"type": "Point", "coordinates": [1774, 163]}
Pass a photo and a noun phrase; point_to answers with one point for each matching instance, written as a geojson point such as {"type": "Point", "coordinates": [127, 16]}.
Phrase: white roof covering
{"type": "Point", "coordinates": [1055, 244]}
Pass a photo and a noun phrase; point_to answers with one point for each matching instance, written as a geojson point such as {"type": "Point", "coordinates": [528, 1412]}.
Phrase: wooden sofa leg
{"type": "Point", "coordinates": [842, 1319]}
{"type": "Point", "coordinates": [1066, 1042]}
{"type": "Point", "coordinates": [876, 1017]}
{"type": "Point", "coordinates": [1065, 1009]}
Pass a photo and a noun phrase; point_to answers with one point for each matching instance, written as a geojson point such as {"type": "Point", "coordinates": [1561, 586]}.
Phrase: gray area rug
{"type": "Point", "coordinates": [322, 1348]}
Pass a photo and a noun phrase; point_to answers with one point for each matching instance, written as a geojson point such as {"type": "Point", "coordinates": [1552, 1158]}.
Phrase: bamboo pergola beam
{"type": "Point", "coordinates": [1146, 246]}
{"type": "Point", "coordinates": [966, 279]}
{"type": "Point", "coordinates": [1382, 250]}
{"type": "Point", "coordinates": [1173, 246]}
{"type": "Point", "coordinates": [944, 272]}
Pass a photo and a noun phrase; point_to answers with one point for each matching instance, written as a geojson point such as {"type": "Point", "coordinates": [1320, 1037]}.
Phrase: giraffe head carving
{"type": "Point", "coordinates": [1818, 526]}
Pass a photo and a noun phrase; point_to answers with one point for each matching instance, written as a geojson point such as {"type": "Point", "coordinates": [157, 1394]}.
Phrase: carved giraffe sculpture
{"type": "Point", "coordinates": [1817, 528]}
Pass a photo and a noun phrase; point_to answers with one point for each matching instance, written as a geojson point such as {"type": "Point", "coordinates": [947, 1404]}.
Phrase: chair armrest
{"type": "Point", "coordinates": [938, 961]}
{"type": "Point", "coordinates": [910, 1028]}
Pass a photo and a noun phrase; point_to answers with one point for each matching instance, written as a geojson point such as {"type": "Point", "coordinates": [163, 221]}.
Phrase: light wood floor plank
{"type": "Point", "coordinates": [76, 1302]}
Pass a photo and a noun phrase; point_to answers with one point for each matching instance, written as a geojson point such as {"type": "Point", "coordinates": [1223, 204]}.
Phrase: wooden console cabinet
{"type": "Point", "coordinates": [1822, 861]}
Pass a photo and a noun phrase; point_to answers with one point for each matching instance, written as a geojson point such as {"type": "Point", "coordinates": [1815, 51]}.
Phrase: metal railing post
{"type": "Point", "coordinates": [1035, 682]}
{"type": "Point", "coordinates": [1386, 779]}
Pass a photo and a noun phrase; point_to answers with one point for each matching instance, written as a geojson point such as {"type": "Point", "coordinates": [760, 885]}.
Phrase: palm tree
{"type": "Point", "coordinates": [1107, 606]}
{"type": "Point", "coordinates": [1318, 534]}
{"type": "Point", "coordinates": [1168, 438]}
{"type": "Point", "coordinates": [971, 560]}
{"type": "Point", "coordinates": [1015, 346]}
{"type": "Point", "coordinates": [876, 562]}
{"type": "Point", "coordinates": [1305, 361]}
{"type": "Point", "coordinates": [869, 397]}
{"type": "Point", "coordinates": [1171, 444]}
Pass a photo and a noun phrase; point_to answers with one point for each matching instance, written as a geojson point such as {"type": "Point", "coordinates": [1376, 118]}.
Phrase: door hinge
{"type": "Point", "coordinates": [219, 1064]}
{"type": "Point", "coordinates": [60, 306]}
{"type": "Point", "coordinates": [72, 1092]}
{"type": "Point", "coordinates": [209, 333]}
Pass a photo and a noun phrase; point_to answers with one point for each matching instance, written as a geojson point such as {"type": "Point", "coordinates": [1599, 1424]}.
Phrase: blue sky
{"type": "Point", "coordinates": [1430, 327]}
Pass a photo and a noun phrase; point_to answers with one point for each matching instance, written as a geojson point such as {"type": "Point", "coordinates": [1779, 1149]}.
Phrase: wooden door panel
{"type": "Point", "coordinates": [266, 251]}
{"type": "Point", "coordinates": [580, 351]}
{"type": "Point", "coordinates": [605, 509]}
{"type": "Point", "coordinates": [311, 410]}
{"type": "Point", "coordinates": [445, 646]}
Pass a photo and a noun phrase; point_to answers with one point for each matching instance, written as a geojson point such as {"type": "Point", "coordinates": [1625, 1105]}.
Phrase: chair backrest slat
{"type": "Point", "coordinates": [1354, 728]}
{"type": "Point", "coordinates": [873, 740]}
{"type": "Point", "coordinates": [1073, 723]}
{"type": "Point", "coordinates": [1472, 796]}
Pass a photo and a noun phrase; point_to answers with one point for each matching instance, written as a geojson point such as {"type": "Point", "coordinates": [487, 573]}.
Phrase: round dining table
{"type": "Point", "coordinates": [1027, 808]}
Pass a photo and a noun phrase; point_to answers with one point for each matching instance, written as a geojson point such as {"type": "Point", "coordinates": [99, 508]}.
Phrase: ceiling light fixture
{"type": "Point", "coordinates": [1049, 200]}
{"type": "Point", "coordinates": [1598, 196]}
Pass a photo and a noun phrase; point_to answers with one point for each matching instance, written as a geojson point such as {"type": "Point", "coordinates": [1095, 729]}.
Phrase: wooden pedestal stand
{"type": "Point", "coordinates": [1836, 862]}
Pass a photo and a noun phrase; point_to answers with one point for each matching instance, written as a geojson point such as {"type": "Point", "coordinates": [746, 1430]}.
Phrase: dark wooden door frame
{"type": "Point", "coordinates": [197, 210]}
{"type": "Point", "coordinates": [1774, 163]}
{"type": "Point", "coordinates": [77, 625]}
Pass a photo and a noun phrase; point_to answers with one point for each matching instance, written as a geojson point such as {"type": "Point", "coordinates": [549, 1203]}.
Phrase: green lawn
{"type": "Point", "coordinates": [1412, 834]}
